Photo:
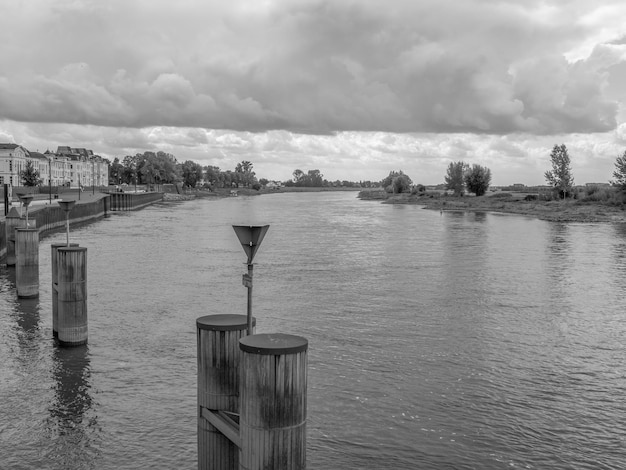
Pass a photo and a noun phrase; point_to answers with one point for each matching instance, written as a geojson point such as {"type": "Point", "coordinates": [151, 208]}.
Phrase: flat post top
{"type": "Point", "coordinates": [223, 322]}
{"type": "Point", "coordinates": [273, 344]}
{"type": "Point", "coordinates": [72, 248]}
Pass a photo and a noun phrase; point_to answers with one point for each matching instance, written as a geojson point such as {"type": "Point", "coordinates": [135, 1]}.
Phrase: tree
{"type": "Point", "coordinates": [130, 164]}
{"type": "Point", "coordinates": [401, 183]}
{"type": "Point", "coordinates": [116, 171]}
{"type": "Point", "coordinates": [315, 178]}
{"type": "Point", "coordinates": [477, 179]}
{"type": "Point", "coordinates": [299, 177]}
{"type": "Point", "coordinates": [244, 173]}
{"type": "Point", "coordinates": [560, 177]}
{"type": "Point", "coordinates": [455, 177]}
{"type": "Point", "coordinates": [213, 175]}
{"type": "Point", "coordinates": [192, 173]}
{"type": "Point", "coordinates": [29, 175]}
{"type": "Point", "coordinates": [620, 171]}
{"type": "Point", "coordinates": [404, 182]}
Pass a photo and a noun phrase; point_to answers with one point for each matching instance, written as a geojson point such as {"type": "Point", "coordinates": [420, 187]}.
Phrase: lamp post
{"type": "Point", "coordinates": [67, 207]}
{"type": "Point", "coordinates": [49, 180]}
{"type": "Point", "coordinates": [26, 199]}
{"type": "Point", "coordinates": [250, 237]}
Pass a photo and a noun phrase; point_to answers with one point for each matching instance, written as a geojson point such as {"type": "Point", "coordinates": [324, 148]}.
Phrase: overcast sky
{"type": "Point", "coordinates": [352, 88]}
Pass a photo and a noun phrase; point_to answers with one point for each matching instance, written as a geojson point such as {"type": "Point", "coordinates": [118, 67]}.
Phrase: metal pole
{"type": "Point", "coordinates": [49, 181]}
{"type": "Point", "coordinates": [250, 267]}
{"type": "Point", "coordinates": [67, 228]}
{"type": "Point", "coordinates": [93, 179]}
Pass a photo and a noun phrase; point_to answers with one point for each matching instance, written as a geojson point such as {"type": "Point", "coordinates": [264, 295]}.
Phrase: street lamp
{"type": "Point", "coordinates": [49, 180]}
{"type": "Point", "coordinates": [26, 199]}
{"type": "Point", "coordinates": [250, 237]}
{"type": "Point", "coordinates": [67, 207]}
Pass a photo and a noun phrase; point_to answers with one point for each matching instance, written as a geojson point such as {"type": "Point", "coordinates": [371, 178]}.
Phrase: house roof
{"type": "Point", "coordinates": [8, 146]}
{"type": "Point", "coordinates": [41, 156]}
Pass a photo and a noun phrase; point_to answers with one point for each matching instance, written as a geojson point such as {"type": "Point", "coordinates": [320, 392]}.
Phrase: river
{"type": "Point", "coordinates": [436, 341]}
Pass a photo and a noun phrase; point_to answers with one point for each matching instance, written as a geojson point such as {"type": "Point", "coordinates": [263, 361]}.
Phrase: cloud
{"type": "Point", "coordinates": [313, 66]}
{"type": "Point", "coordinates": [352, 88]}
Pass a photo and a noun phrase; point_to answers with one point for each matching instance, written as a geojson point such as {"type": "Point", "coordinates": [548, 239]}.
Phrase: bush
{"type": "Point", "coordinates": [600, 194]}
{"type": "Point", "coordinates": [256, 186]}
{"type": "Point", "coordinates": [502, 196]}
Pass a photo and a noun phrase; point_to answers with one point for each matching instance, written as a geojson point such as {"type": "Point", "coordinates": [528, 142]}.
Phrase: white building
{"type": "Point", "coordinates": [13, 159]}
{"type": "Point", "coordinates": [67, 167]}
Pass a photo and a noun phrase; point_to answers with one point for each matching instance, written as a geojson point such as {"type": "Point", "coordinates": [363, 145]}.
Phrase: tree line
{"type": "Point", "coordinates": [461, 177]}
{"type": "Point", "coordinates": [164, 168]}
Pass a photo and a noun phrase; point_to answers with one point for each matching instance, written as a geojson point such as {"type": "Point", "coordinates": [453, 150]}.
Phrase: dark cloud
{"type": "Point", "coordinates": [311, 67]}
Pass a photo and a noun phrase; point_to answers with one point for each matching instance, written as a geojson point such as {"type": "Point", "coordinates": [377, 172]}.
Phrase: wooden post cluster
{"type": "Point", "coordinates": [71, 289]}
{"type": "Point", "coordinates": [251, 397]}
{"type": "Point", "coordinates": [27, 262]}
{"type": "Point", "coordinates": [55, 275]}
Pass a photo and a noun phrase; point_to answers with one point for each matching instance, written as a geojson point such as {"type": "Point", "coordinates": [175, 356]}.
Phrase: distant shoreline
{"type": "Point", "coordinates": [555, 211]}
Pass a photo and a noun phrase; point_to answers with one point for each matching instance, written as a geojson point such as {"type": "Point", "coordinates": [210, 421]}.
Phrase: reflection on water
{"type": "Point", "coordinates": [68, 425]}
{"type": "Point", "coordinates": [43, 381]}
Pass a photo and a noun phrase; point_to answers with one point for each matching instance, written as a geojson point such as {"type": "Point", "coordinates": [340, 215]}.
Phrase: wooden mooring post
{"type": "Point", "coordinates": [72, 295]}
{"type": "Point", "coordinates": [218, 390]}
{"type": "Point", "coordinates": [14, 221]}
{"type": "Point", "coordinates": [27, 262]}
{"type": "Point", "coordinates": [55, 276]}
{"type": "Point", "coordinates": [273, 402]}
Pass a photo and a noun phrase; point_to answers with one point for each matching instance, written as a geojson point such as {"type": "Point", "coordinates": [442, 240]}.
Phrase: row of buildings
{"type": "Point", "coordinates": [72, 167]}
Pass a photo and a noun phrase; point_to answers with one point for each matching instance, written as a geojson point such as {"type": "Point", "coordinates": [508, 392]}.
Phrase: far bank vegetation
{"type": "Point", "coordinates": [467, 186]}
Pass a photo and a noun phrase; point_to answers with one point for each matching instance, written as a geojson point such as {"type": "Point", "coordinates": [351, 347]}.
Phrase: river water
{"type": "Point", "coordinates": [436, 341]}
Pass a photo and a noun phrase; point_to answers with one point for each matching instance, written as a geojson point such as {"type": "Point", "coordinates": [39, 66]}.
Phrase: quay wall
{"type": "Point", "coordinates": [52, 218]}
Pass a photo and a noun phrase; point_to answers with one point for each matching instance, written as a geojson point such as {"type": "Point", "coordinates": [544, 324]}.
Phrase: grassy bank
{"type": "Point", "coordinates": [570, 210]}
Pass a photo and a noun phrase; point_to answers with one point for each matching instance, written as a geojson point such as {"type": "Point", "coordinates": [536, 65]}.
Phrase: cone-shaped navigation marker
{"type": "Point", "coordinates": [250, 237]}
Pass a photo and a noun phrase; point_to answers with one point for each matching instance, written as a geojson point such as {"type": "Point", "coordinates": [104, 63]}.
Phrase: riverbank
{"type": "Point", "coordinates": [47, 216]}
{"type": "Point", "coordinates": [570, 210]}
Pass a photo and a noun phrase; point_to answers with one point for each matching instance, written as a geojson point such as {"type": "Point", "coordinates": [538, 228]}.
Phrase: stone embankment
{"type": "Point", "coordinates": [90, 207]}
